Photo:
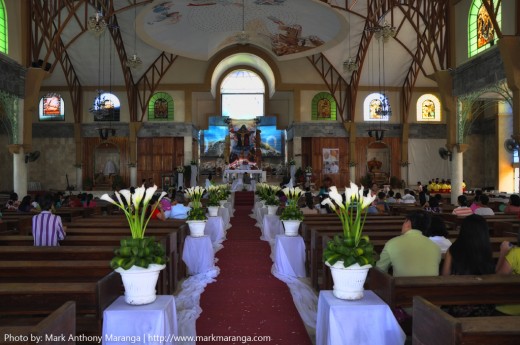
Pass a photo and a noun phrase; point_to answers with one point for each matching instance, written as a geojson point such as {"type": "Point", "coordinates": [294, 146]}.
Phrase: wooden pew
{"type": "Point", "coordinates": [92, 298]}
{"type": "Point", "coordinates": [444, 290]}
{"type": "Point", "coordinates": [62, 321]}
{"type": "Point", "coordinates": [433, 326]}
{"type": "Point", "coordinates": [52, 271]}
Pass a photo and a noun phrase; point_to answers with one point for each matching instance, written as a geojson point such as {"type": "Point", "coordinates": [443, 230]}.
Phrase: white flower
{"type": "Point", "coordinates": [334, 195]}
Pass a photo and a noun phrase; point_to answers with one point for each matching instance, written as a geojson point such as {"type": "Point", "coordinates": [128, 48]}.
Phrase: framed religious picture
{"type": "Point", "coordinates": [323, 107]}
{"type": "Point", "coordinates": [160, 107]}
{"type": "Point", "coordinates": [331, 161]}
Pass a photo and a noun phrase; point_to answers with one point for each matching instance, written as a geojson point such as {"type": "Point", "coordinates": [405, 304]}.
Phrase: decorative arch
{"type": "Point", "coordinates": [3, 28]}
{"type": "Point", "coordinates": [160, 107]}
{"type": "Point", "coordinates": [372, 105]}
{"type": "Point", "coordinates": [481, 32]}
{"type": "Point", "coordinates": [323, 107]}
{"type": "Point", "coordinates": [428, 108]}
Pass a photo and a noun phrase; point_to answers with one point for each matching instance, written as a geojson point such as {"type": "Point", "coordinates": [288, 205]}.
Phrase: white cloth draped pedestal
{"type": "Point", "coordinates": [365, 321]}
{"type": "Point", "coordinates": [289, 255]}
{"type": "Point", "coordinates": [271, 227]}
{"type": "Point", "coordinates": [216, 231]}
{"type": "Point", "coordinates": [198, 254]}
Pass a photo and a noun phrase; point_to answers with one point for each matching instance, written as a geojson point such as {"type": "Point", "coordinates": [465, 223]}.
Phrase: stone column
{"type": "Point", "coordinates": [133, 175]}
{"type": "Point", "coordinates": [297, 150]}
{"type": "Point", "coordinates": [79, 178]}
{"type": "Point", "coordinates": [456, 171]}
{"type": "Point", "coordinates": [350, 128]}
{"type": "Point", "coordinates": [19, 170]}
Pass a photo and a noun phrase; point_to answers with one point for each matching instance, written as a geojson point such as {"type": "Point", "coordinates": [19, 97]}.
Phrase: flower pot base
{"type": "Point", "coordinates": [140, 283]}
{"type": "Point", "coordinates": [349, 281]}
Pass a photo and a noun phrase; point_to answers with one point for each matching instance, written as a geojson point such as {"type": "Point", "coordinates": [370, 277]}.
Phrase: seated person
{"type": "Point", "coordinates": [463, 210]}
{"type": "Point", "coordinates": [484, 209]}
{"type": "Point", "coordinates": [438, 233]}
{"type": "Point", "coordinates": [47, 228]}
{"type": "Point", "coordinates": [411, 254]}
{"type": "Point", "coordinates": [513, 207]}
{"type": "Point", "coordinates": [156, 209]}
{"type": "Point", "coordinates": [178, 210]}
{"type": "Point", "coordinates": [308, 207]}
{"type": "Point", "coordinates": [390, 197]}
{"type": "Point", "coordinates": [509, 263]}
{"type": "Point", "coordinates": [13, 203]}
{"type": "Point", "coordinates": [432, 206]}
{"type": "Point", "coordinates": [408, 197]}
{"type": "Point", "coordinates": [380, 203]}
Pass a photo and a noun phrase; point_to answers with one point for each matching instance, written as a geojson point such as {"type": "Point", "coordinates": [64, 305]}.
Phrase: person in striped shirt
{"type": "Point", "coordinates": [463, 210]}
{"type": "Point", "coordinates": [47, 228]}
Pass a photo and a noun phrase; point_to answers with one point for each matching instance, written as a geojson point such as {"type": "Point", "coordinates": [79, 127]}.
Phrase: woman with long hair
{"type": "Point", "coordinates": [470, 254]}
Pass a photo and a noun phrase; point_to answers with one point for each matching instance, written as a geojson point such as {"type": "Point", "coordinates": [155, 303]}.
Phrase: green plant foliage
{"type": "Point", "coordinates": [291, 212]}
{"type": "Point", "coordinates": [213, 199]}
{"type": "Point", "coordinates": [139, 252]}
{"type": "Point", "coordinates": [197, 213]}
{"type": "Point", "coordinates": [344, 248]}
{"type": "Point", "coordinates": [272, 200]}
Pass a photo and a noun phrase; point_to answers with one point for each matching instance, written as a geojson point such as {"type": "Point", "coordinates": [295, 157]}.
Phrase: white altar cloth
{"type": "Point", "coordinates": [198, 254]}
{"type": "Point", "coordinates": [271, 226]}
{"type": "Point", "coordinates": [289, 255]}
{"type": "Point", "coordinates": [365, 321]}
{"type": "Point", "coordinates": [154, 323]}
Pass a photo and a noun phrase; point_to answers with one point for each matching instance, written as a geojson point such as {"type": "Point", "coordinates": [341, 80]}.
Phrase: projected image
{"type": "Point", "coordinates": [215, 140]}
{"type": "Point", "coordinates": [271, 141]}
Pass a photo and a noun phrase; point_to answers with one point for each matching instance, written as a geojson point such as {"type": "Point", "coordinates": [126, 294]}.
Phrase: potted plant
{"type": "Point", "coordinates": [272, 203]}
{"type": "Point", "coordinates": [139, 259]}
{"type": "Point", "coordinates": [351, 254]}
{"type": "Point", "coordinates": [292, 216]}
{"type": "Point", "coordinates": [197, 215]}
{"type": "Point", "coordinates": [213, 200]}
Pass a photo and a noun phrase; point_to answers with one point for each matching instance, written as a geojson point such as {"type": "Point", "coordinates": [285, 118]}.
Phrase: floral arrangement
{"type": "Point", "coordinates": [180, 169]}
{"type": "Point", "coordinates": [308, 170]}
{"type": "Point", "coordinates": [291, 210]}
{"type": "Point", "coordinates": [352, 247]}
{"type": "Point", "coordinates": [138, 250]}
{"type": "Point", "coordinates": [266, 191]}
{"type": "Point", "coordinates": [292, 161]}
{"type": "Point", "coordinates": [195, 195]}
{"type": "Point", "coordinates": [293, 195]}
{"type": "Point", "coordinates": [214, 195]}
{"type": "Point", "coordinates": [224, 191]}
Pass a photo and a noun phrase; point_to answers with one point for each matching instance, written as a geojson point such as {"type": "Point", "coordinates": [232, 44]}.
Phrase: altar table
{"type": "Point", "coordinates": [365, 321]}
{"type": "Point", "coordinates": [198, 254]}
{"type": "Point", "coordinates": [154, 323]}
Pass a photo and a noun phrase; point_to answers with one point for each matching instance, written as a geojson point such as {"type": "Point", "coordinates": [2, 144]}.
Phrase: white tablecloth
{"type": "Point", "coordinates": [215, 230]}
{"type": "Point", "coordinates": [154, 323]}
{"type": "Point", "coordinates": [226, 216]}
{"type": "Point", "coordinates": [367, 321]}
{"type": "Point", "coordinates": [259, 213]}
{"type": "Point", "coordinates": [271, 226]}
{"type": "Point", "coordinates": [289, 255]}
{"type": "Point", "coordinates": [198, 254]}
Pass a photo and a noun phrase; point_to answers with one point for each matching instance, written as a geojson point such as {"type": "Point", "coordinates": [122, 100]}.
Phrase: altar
{"type": "Point", "coordinates": [236, 177]}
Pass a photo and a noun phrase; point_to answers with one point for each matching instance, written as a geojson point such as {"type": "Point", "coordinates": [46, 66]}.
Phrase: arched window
{"type": "Point", "coordinates": [242, 94]}
{"type": "Point", "coordinates": [52, 107]}
{"type": "Point", "coordinates": [3, 28]}
{"type": "Point", "coordinates": [323, 107]}
{"type": "Point", "coordinates": [428, 108]}
{"type": "Point", "coordinates": [106, 107]}
{"type": "Point", "coordinates": [160, 107]}
{"type": "Point", "coordinates": [373, 107]}
{"type": "Point", "coordinates": [481, 32]}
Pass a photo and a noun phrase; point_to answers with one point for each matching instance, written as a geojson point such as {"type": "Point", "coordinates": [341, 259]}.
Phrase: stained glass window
{"type": "Point", "coordinates": [3, 28]}
{"type": "Point", "coordinates": [374, 107]}
{"type": "Point", "coordinates": [481, 32]}
{"type": "Point", "coordinates": [52, 107]}
{"type": "Point", "coordinates": [428, 108]}
{"type": "Point", "coordinates": [160, 107]}
{"type": "Point", "coordinates": [323, 107]}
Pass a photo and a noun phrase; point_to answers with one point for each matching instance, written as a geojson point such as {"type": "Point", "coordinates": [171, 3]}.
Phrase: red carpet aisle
{"type": "Point", "coordinates": [247, 300]}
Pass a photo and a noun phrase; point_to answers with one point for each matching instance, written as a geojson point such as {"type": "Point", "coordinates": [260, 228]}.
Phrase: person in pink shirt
{"type": "Point", "coordinates": [513, 207]}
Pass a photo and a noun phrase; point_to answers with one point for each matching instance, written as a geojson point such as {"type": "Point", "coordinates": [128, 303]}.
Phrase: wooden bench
{"type": "Point", "coordinates": [444, 290]}
{"type": "Point", "coordinates": [52, 271]}
{"type": "Point", "coordinates": [92, 298]}
{"type": "Point", "coordinates": [36, 330]}
{"type": "Point", "coordinates": [433, 326]}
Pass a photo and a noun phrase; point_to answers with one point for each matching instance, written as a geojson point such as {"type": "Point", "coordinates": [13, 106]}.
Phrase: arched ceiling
{"type": "Point", "coordinates": [199, 28]}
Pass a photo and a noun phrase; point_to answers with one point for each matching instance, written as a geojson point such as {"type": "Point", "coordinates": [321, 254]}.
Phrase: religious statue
{"type": "Point", "coordinates": [243, 137]}
{"type": "Point", "coordinates": [374, 165]}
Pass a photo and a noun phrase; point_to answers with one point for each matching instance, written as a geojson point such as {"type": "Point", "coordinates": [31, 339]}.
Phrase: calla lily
{"type": "Point", "coordinates": [150, 191]}
{"type": "Point", "coordinates": [354, 190]}
{"type": "Point", "coordinates": [126, 195]}
{"type": "Point", "coordinates": [106, 197]}
{"type": "Point", "coordinates": [330, 203]}
{"type": "Point", "coordinates": [367, 201]}
{"type": "Point", "coordinates": [334, 195]}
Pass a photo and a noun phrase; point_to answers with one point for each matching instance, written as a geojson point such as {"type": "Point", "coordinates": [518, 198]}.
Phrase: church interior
{"type": "Point", "coordinates": [98, 96]}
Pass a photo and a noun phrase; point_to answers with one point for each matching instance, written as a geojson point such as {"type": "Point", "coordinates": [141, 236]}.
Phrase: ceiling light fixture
{"type": "Point", "coordinates": [350, 65]}
{"type": "Point", "coordinates": [384, 31]}
{"type": "Point", "coordinates": [243, 37]}
{"type": "Point", "coordinates": [97, 24]}
{"type": "Point", "coordinates": [134, 60]}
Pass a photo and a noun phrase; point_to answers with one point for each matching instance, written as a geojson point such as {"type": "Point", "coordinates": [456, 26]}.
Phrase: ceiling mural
{"type": "Point", "coordinates": [199, 28]}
